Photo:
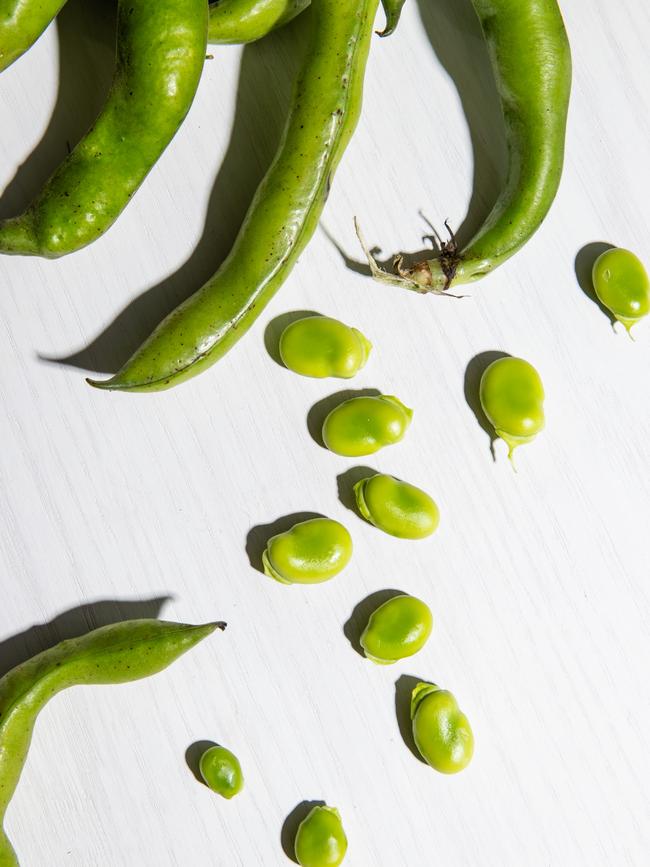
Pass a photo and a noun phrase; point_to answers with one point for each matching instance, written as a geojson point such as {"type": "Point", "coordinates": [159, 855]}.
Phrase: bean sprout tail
{"type": "Point", "coordinates": [431, 276]}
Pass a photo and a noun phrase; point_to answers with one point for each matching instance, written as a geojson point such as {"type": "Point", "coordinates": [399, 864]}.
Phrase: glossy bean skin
{"type": "Point", "coordinates": [512, 397]}
{"type": "Point", "coordinates": [232, 22]}
{"type": "Point", "coordinates": [320, 840]}
{"type": "Point", "coordinates": [319, 346]}
{"type": "Point", "coordinates": [363, 425]}
{"type": "Point", "coordinates": [283, 214]}
{"type": "Point", "coordinates": [441, 730]}
{"type": "Point", "coordinates": [531, 60]}
{"type": "Point", "coordinates": [229, 22]}
{"type": "Point", "coordinates": [239, 21]}
{"type": "Point", "coordinates": [310, 552]}
{"type": "Point", "coordinates": [119, 653]}
{"type": "Point", "coordinates": [21, 23]}
{"type": "Point", "coordinates": [396, 507]}
{"type": "Point", "coordinates": [622, 285]}
{"type": "Point", "coordinates": [160, 54]}
{"type": "Point", "coordinates": [397, 629]}
{"type": "Point", "coordinates": [222, 772]}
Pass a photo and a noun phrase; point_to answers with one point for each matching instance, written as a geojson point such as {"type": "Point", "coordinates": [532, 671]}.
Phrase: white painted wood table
{"type": "Point", "coordinates": [538, 580]}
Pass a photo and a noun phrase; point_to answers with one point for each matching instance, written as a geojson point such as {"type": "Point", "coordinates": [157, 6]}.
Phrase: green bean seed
{"type": "Point", "coordinates": [321, 840]}
{"type": "Point", "coordinates": [397, 629]}
{"type": "Point", "coordinates": [512, 397]}
{"type": "Point", "coordinates": [363, 425]}
{"type": "Point", "coordinates": [222, 772]}
{"type": "Point", "coordinates": [396, 507]}
{"type": "Point", "coordinates": [621, 283]}
{"type": "Point", "coordinates": [319, 346]}
{"type": "Point", "coordinates": [309, 553]}
{"type": "Point", "coordinates": [441, 731]}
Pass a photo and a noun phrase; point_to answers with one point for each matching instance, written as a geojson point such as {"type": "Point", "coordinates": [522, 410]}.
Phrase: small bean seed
{"type": "Point", "coordinates": [309, 553]}
{"type": "Point", "coordinates": [321, 840]}
{"type": "Point", "coordinates": [319, 346]}
{"type": "Point", "coordinates": [441, 731]}
{"type": "Point", "coordinates": [397, 629]}
{"type": "Point", "coordinates": [396, 507]}
{"type": "Point", "coordinates": [363, 425]}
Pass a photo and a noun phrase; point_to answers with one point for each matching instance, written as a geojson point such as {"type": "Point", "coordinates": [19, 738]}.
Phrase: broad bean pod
{"type": "Point", "coordinates": [283, 214]}
{"type": "Point", "coordinates": [531, 59]}
{"type": "Point", "coordinates": [21, 23]}
{"type": "Point", "coordinates": [229, 22]}
{"type": "Point", "coordinates": [118, 653]}
{"type": "Point", "coordinates": [238, 21]}
{"type": "Point", "coordinates": [160, 55]}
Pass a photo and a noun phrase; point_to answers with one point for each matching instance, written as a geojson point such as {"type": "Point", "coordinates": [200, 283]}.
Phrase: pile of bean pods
{"type": "Point", "coordinates": [161, 47]}
{"type": "Point", "coordinates": [160, 51]}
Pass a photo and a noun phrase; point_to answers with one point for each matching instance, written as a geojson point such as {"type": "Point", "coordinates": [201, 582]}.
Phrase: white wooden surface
{"type": "Point", "coordinates": [538, 581]}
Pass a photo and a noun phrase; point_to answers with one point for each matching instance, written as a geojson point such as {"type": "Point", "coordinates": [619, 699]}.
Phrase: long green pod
{"type": "Point", "coordinates": [160, 55]}
{"type": "Point", "coordinates": [21, 23]}
{"type": "Point", "coordinates": [283, 214]}
{"type": "Point", "coordinates": [531, 59]}
{"type": "Point", "coordinates": [118, 653]}
{"type": "Point", "coordinates": [232, 22]}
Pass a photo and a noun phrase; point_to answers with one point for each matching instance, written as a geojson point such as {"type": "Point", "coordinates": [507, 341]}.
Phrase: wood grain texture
{"type": "Point", "coordinates": [538, 581]}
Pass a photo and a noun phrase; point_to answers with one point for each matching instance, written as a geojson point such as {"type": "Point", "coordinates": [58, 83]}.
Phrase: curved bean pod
{"type": "Point", "coordinates": [118, 653]}
{"type": "Point", "coordinates": [237, 21]}
{"type": "Point", "coordinates": [160, 54]}
{"type": "Point", "coordinates": [531, 59]}
{"type": "Point", "coordinates": [284, 212]}
{"type": "Point", "coordinates": [232, 22]}
{"type": "Point", "coordinates": [21, 23]}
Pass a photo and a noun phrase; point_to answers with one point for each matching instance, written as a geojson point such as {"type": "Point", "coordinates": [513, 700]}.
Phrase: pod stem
{"type": "Point", "coordinates": [392, 11]}
{"type": "Point", "coordinates": [431, 276]}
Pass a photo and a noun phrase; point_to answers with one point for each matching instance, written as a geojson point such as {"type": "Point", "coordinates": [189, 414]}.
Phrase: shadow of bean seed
{"type": "Point", "coordinates": [404, 686]}
{"type": "Point", "coordinates": [473, 373]}
{"type": "Point", "coordinates": [583, 265]}
{"type": "Point", "coordinates": [193, 756]}
{"type": "Point", "coordinates": [345, 483]}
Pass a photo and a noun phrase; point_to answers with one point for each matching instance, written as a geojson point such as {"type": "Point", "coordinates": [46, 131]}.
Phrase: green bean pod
{"type": "Point", "coordinates": [283, 214]}
{"type": "Point", "coordinates": [21, 23]}
{"type": "Point", "coordinates": [232, 22]}
{"type": "Point", "coordinates": [160, 55]}
{"type": "Point", "coordinates": [238, 21]}
{"type": "Point", "coordinates": [118, 653]}
{"type": "Point", "coordinates": [531, 59]}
